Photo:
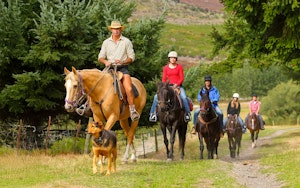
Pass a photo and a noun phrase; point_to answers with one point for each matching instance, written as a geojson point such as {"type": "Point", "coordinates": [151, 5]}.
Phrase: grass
{"type": "Point", "coordinates": [283, 157]}
{"type": "Point", "coordinates": [188, 40]}
{"type": "Point", "coordinates": [34, 169]}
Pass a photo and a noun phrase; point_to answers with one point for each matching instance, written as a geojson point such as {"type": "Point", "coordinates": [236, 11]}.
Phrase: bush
{"type": "Point", "coordinates": [68, 145]}
{"type": "Point", "coordinates": [281, 105]}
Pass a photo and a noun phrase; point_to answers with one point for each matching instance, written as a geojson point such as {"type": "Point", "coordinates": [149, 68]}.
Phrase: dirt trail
{"type": "Point", "coordinates": [247, 170]}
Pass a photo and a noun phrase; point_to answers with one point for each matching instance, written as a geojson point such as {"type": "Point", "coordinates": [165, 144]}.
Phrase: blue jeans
{"type": "Point", "coordinates": [182, 96]}
{"type": "Point", "coordinates": [218, 111]}
{"type": "Point", "coordinates": [239, 120]}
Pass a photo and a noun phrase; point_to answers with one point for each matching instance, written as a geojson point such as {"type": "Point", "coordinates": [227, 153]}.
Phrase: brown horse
{"type": "Point", "coordinates": [253, 127]}
{"type": "Point", "coordinates": [105, 101]}
{"type": "Point", "coordinates": [170, 115]}
{"type": "Point", "coordinates": [234, 134]}
{"type": "Point", "coordinates": [208, 127]}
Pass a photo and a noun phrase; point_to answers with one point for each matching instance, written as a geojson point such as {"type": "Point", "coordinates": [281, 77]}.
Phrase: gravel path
{"type": "Point", "coordinates": [247, 170]}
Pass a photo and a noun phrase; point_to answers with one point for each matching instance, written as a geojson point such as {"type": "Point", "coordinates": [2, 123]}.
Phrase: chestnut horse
{"type": "Point", "coordinates": [170, 115]}
{"type": "Point", "coordinates": [105, 102]}
{"type": "Point", "coordinates": [253, 127]}
{"type": "Point", "coordinates": [208, 127]}
{"type": "Point", "coordinates": [234, 134]}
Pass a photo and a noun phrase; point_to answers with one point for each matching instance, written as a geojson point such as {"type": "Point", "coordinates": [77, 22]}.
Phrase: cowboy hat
{"type": "Point", "coordinates": [115, 25]}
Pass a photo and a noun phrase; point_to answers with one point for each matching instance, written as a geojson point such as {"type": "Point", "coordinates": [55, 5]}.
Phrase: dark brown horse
{"type": "Point", "coordinates": [253, 127]}
{"type": "Point", "coordinates": [208, 127]}
{"type": "Point", "coordinates": [105, 102]}
{"type": "Point", "coordinates": [170, 115]}
{"type": "Point", "coordinates": [234, 134]}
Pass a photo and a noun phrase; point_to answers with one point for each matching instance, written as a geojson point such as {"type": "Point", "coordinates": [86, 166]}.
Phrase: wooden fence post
{"type": "Point", "coordinates": [48, 132]}
{"type": "Point", "coordinates": [76, 136]}
{"type": "Point", "coordinates": [87, 139]}
{"type": "Point", "coordinates": [19, 134]}
{"type": "Point", "coordinates": [156, 144]}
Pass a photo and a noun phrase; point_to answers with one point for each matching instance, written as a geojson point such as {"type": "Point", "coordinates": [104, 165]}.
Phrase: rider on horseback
{"type": "Point", "coordinates": [119, 49]}
{"type": "Point", "coordinates": [174, 73]}
{"type": "Point", "coordinates": [254, 107]}
{"type": "Point", "coordinates": [214, 96]}
{"type": "Point", "coordinates": [234, 108]}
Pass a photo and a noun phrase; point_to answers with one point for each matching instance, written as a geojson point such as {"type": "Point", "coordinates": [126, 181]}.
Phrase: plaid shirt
{"type": "Point", "coordinates": [121, 50]}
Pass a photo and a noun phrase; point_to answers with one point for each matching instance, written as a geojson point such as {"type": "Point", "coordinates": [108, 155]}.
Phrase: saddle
{"type": "Point", "coordinates": [118, 86]}
{"type": "Point", "coordinates": [177, 91]}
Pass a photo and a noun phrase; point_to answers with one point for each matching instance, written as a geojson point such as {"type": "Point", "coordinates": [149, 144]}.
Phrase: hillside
{"type": "Point", "coordinates": [209, 5]}
{"type": "Point", "coordinates": [187, 12]}
{"type": "Point", "coordinates": [192, 12]}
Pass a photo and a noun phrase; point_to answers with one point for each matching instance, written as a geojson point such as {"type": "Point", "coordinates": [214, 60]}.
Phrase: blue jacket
{"type": "Point", "coordinates": [214, 95]}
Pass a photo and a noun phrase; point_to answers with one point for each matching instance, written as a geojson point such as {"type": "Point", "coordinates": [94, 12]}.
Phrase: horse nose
{"type": "Point", "coordinates": [69, 108]}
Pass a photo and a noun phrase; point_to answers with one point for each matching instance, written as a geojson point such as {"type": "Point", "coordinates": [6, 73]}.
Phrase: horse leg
{"type": "Point", "coordinates": [216, 145]}
{"type": "Point", "coordinates": [182, 137]}
{"type": "Point", "coordinates": [130, 139]}
{"type": "Point", "coordinates": [252, 138]}
{"type": "Point", "coordinates": [230, 143]}
{"type": "Point", "coordinates": [256, 136]}
{"type": "Point", "coordinates": [164, 131]}
{"type": "Point", "coordinates": [125, 126]}
{"type": "Point", "coordinates": [172, 131]}
{"type": "Point", "coordinates": [233, 148]}
{"type": "Point", "coordinates": [201, 145]}
{"type": "Point", "coordinates": [209, 147]}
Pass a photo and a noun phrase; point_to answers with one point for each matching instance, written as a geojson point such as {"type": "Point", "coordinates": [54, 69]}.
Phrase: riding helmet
{"type": "Point", "coordinates": [254, 95]}
{"type": "Point", "coordinates": [236, 95]}
{"type": "Point", "coordinates": [207, 78]}
{"type": "Point", "coordinates": [172, 54]}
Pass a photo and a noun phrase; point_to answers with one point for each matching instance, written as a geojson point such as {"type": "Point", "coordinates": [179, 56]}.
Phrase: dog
{"type": "Point", "coordinates": [104, 145]}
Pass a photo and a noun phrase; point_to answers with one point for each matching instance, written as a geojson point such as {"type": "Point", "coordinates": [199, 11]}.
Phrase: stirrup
{"type": "Point", "coordinates": [134, 115]}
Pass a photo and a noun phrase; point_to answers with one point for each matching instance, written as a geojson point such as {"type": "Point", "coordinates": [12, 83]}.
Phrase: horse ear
{"type": "Point", "coordinates": [66, 71]}
{"type": "Point", "coordinates": [74, 70]}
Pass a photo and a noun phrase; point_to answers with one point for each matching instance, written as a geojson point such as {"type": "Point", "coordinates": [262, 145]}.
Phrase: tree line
{"type": "Point", "coordinates": [39, 38]}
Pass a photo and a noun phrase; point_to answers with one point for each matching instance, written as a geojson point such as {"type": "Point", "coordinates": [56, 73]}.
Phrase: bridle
{"type": "Point", "coordinates": [167, 104]}
{"type": "Point", "coordinates": [80, 96]}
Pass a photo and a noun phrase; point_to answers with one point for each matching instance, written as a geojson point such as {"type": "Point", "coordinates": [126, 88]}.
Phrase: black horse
{"type": "Point", "coordinates": [170, 115]}
{"type": "Point", "coordinates": [234, 134]}
{"type": "Point", "coordinates": [208, 127]}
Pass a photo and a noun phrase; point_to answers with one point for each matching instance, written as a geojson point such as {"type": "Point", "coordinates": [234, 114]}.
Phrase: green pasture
{"type": "Point", "coordinates": [35, 169]}
{"type": "Point", "coordinates": [188, 40]}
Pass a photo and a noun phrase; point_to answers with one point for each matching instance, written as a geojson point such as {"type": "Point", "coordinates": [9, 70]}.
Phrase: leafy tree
{"type": "Point", "coordinates": [245, 80]}
{"type": "Point", "coordinates": [281, 105]}
{"type": "Point", "coordinates": [262, 30]}
{"type": "Point", "coordinates": [38, 41]}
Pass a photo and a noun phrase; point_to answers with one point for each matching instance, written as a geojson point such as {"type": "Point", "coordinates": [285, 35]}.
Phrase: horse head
{"type": "Point", "coordinates": [205, 104]}
{"type": "Point", "coordinates": [74, 89]}
{"type": "Point", "coordinates": [232, 123]}
{"type": "Point", "coordinates": [165, 94]}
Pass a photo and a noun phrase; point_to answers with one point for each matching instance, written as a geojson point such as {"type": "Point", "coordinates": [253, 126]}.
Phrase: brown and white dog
{"type": "Point", "coordinates": [104, 144]}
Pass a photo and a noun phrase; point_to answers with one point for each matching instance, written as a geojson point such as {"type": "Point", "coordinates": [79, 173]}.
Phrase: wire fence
{"type": "Point", "coordinates": [29, 137]}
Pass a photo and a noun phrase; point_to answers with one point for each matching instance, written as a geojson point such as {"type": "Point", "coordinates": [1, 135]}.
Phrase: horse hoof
{"type": "Point", "coordinates": [169, 160]}
{"type": "Point", "coordinates": [133, 160]}
{"type": "Point", "coordinates": [215, 156]}
{"type": "Point", "coordinates": [124, 162]}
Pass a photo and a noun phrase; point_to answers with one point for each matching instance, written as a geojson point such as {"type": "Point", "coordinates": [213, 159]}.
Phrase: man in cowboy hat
{"type": "Point", "coordinates": [119, 49]}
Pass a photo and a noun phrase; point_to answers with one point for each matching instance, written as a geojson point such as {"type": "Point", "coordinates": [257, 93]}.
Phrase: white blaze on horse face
{"type": "Point", "coordinates": [68, 86]}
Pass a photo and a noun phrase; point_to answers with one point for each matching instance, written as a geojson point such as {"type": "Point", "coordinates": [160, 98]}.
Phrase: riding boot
{"type": "Point", "coordinates": [193, 131]}
{"type": "Point", "coordinates": [187, 117]}
{"type": "Point", "coordinates": [134, 115]}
